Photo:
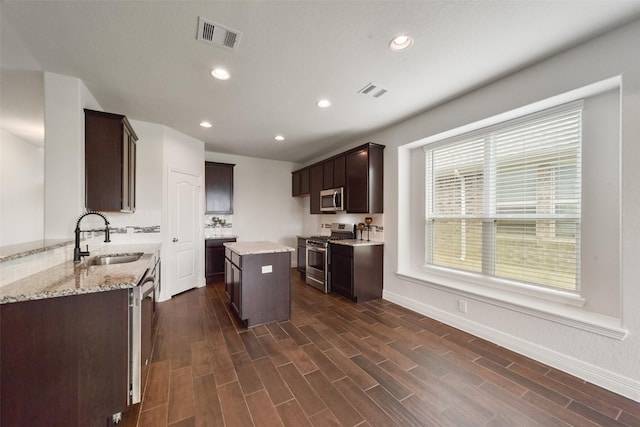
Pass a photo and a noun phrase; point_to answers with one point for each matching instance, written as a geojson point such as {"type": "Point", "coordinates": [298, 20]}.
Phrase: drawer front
{"type": "Point", "coordinates": [236, 259]}
{"type": "Point", "coordinates": [227, 253]}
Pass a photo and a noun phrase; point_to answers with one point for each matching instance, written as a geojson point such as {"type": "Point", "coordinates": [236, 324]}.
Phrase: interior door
{"type": "Point", "coordinates": [186, 241]}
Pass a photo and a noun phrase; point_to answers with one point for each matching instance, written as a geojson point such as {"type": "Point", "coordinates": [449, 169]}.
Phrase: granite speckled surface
{"type": "Point", "coordinates": [70, 278]}
{"type": "Point", "coordinates": [21, 250]}
{"type": "Point", "coordinates": [356, 242]}
{"type": "Point", "coordinates": [252, 248]}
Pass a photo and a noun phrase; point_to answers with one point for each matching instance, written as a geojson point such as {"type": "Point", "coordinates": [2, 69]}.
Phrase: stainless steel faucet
{"type": "Point", "coordinates": [77, 253]}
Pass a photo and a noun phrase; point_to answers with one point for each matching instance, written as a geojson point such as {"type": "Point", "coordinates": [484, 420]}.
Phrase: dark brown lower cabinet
{"type": "Point", "coordinates": [259, 286]}
{"type": "Point", "coordinates": [214, 258]}
{"type": "Point", "coordinates": [356, 271]}
{"type": "Point", "coordinates": [64, 360]}
{"type": "Point", "coordinates": [301, 253]}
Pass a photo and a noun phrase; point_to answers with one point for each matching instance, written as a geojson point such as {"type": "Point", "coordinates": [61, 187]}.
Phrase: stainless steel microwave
{"type": "Point", "coordinates": [332, 200]}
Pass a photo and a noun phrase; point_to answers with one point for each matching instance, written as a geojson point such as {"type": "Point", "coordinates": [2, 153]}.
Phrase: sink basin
{"type": "Point", "coordinates": [109, 259]}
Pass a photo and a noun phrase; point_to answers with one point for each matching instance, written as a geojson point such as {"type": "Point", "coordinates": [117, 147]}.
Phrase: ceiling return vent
{"type": "Point", "coordinates": [218, 35]}
{"type": "Point", "coordinates": [373, 90]}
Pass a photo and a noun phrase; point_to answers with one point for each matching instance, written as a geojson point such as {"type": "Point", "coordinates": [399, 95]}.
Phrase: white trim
{"type": "Point", "coordinates": [609, 380]}
{"type": "Point", "coordinates": [557, 312]}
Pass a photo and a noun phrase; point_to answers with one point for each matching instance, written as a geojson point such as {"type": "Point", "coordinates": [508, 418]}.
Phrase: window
{"type": "Point", "coordinates": [505, 200]}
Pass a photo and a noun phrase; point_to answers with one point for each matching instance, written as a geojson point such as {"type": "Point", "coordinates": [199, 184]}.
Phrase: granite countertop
{"type": "Point", "coordinates": [21, 250]}
{"type": "Point", "coordinates": [252, 248]}
{"type": "Point", "coordinates": [356, 242]}
{"type": "Point", "coordinates": [70, 278]}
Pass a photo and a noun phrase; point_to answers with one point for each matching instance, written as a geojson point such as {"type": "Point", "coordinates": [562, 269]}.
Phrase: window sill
{"type": "Point", "coordinates": [561, 307]}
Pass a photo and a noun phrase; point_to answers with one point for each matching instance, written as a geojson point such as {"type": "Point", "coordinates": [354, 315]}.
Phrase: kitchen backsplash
{"type": "Point", "coordinates": [218, 225]}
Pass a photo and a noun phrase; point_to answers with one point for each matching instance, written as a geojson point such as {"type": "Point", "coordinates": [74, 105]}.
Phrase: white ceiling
{"type": "Point", "coordinates": [142, 59]}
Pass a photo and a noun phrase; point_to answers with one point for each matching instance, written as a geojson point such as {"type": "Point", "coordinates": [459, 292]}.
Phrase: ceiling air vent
{"type": "Point", "coordinates": [218, 35]}
{"type": "Point", "coordinates": [373, 90]}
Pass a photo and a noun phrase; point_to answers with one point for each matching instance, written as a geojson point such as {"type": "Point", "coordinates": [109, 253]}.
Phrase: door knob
{"type": "Point", "coordinates": [175, 239]}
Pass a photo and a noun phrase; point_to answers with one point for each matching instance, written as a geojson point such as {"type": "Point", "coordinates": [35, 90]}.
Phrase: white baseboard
{"type": "Point", "coordinates": [606, 379]}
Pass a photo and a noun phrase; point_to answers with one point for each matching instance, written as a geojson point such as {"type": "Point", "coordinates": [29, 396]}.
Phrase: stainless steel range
{"type": "Point", "coordinates": [318, 254]}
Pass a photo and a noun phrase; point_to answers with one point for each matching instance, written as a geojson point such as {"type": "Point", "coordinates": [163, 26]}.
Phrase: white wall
{"type": "Point", "coordinates": [21, 190]}
{"type": "Point", "coordinates": [65, 100]}
{"type": "Point", "coordinates": [263, 208]}
{"type": "Point", "coordinates": [588, 352]}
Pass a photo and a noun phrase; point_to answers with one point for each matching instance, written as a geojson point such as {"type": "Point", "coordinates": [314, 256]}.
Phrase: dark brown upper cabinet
{"type": "Point", "coordinates": [315, 186]}
{"type": "Point", "coordinates": [364, 170]}
{"type": "Point", "coordinates": [218, 187]}
{"type": "Point", "coordinates": [300, 183]}
{"type": "Point", "coordinates": [110, 162]}
{"type": "Point", "coordinates": [359, 171]}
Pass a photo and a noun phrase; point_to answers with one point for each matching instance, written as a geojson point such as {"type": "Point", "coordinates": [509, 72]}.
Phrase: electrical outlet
{"type": "Point", "coordinates": [462, 306]}
{"type": "Point", "coordinates": [267, 269]}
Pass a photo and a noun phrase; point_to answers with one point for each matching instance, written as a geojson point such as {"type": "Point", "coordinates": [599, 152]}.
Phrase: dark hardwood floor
{"type": "Point", "coordinates": [338, 363]}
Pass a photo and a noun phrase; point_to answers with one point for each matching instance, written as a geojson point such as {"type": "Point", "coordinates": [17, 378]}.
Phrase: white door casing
{"type": "Point", "coordinates": [185, 194]}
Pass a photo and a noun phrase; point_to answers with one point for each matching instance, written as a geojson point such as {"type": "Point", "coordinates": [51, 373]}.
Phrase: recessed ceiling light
{"type": "Point", "coordinates": [323, 103]}
{"type": "Point", "coordinates": [205, 124]}
{"type": "Point", "coordinates": [400, 42]}
{"type": "Point", "coordinates": [279, 138]}
{"type": "Point", "coordinates": [220, 74]}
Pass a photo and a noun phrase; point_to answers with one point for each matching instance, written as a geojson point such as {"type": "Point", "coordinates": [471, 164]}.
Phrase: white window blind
{"type": "Point", "coordinates": [505, 200]}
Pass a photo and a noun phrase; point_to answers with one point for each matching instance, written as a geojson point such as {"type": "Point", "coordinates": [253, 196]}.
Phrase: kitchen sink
{"type": "Point", "coordinates": [108, 259]}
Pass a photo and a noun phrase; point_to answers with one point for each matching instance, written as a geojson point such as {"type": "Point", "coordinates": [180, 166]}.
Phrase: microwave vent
{"type": "Point", "coordinates": [218, 35]}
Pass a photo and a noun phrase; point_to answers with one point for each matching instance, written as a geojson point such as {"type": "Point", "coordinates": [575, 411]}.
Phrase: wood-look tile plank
{"type": "Point", "coordinates": [525, 382]}
{"type": "Point", "coordinates": [363, 403]}
{"type": "Point", "coordinates": [399, 413]}
{"type": "Point", "coordinates": [433, 365]}
{"type": "Point", "coordinates": [350, 369]}
{"type": "Point", "coordinates": [180, 351]}
{"type": "Point", "coordinates": [181, 402]}
{"type": "Point", "coordinates": [301, 359]}
{"type": "Point", "coordinates": [233, 342]}
{"type": "Point", "coordinates": [188, 422]}
{"type": "Point", "coordinates": [157, 389]}
{"type": "Point", "coordinates": [277, 332]}
{"type": "Point", "coordinates": [207, 403]}
{"type": "Point", "coordinates": [424, 412]}
{"type": "Point", "coordinates": [389, 353]}
{"type": "Point", "coordinates": [588, 400]}
{"type": "Point", "coordinates": [560, 412]}
{"type": "Point", "coordinates": [364, 348]}
{"type": "Point", "coordinates": [341, 408]}
{"type": "Point", "coordinates": [308, 399]}
{"type": "Point", "coordinates": [325, 419]}
{"type": "Point", "coordinates": [315, 337]}
{"type": "Point", "coordinates": [246, 373]}
{"type": "Point", "coordinates": [292, 414]}
{"type": "Point", "coordinates": [273, 382]}
{"type": "Point", "coordinates": [251, 343]}
{"type": "Point", "coordinates": [262, 411]}
{"type": "Point", "coordinates": [327, 367]}
{"type": "Point", "coordinates": [201, 358]}
{"type": "Point", "coordinates": [382, 377]}
{"type": "Point", "coordinates": [234, 407]}
{"type": "Point", "coordinates": [260, 330]}
{"type": "Point", "coordinates": [276, 350]}
{"type": "Point", "coordinates": [340, 343]}
{"type": "Point", "coordinates": [156, 417]}
{"type": "Point", "coordinates": [295, 334]}
{"type": "Point", "coordinates": [223, 366]}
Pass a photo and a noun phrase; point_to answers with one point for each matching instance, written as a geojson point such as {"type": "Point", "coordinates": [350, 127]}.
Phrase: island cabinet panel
{"type": "Point", "coordinates": [356, 271]}
{"type": "Point", "coordinates": [258, 286]}
{"type": "Point", "coordinates": [214, 258]}
{"type": "Point", "coordinates": [64, 360]}
{"type": "Point", "coordinates": [218, 187]}
{"type": "Point", "coordinates": [110, 162]}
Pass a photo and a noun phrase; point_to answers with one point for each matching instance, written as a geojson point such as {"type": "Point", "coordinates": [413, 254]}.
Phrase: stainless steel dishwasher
{"type": "Point", "coordinates": [142, 308]}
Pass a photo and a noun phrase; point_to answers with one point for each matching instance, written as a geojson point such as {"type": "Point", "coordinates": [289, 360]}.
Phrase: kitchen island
{"type": "Point", "coordinates": [257, 281]}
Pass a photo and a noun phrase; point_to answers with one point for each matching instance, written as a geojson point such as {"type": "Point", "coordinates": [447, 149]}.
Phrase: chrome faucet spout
{"type": "Point", "coordinates": [77, 252]}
